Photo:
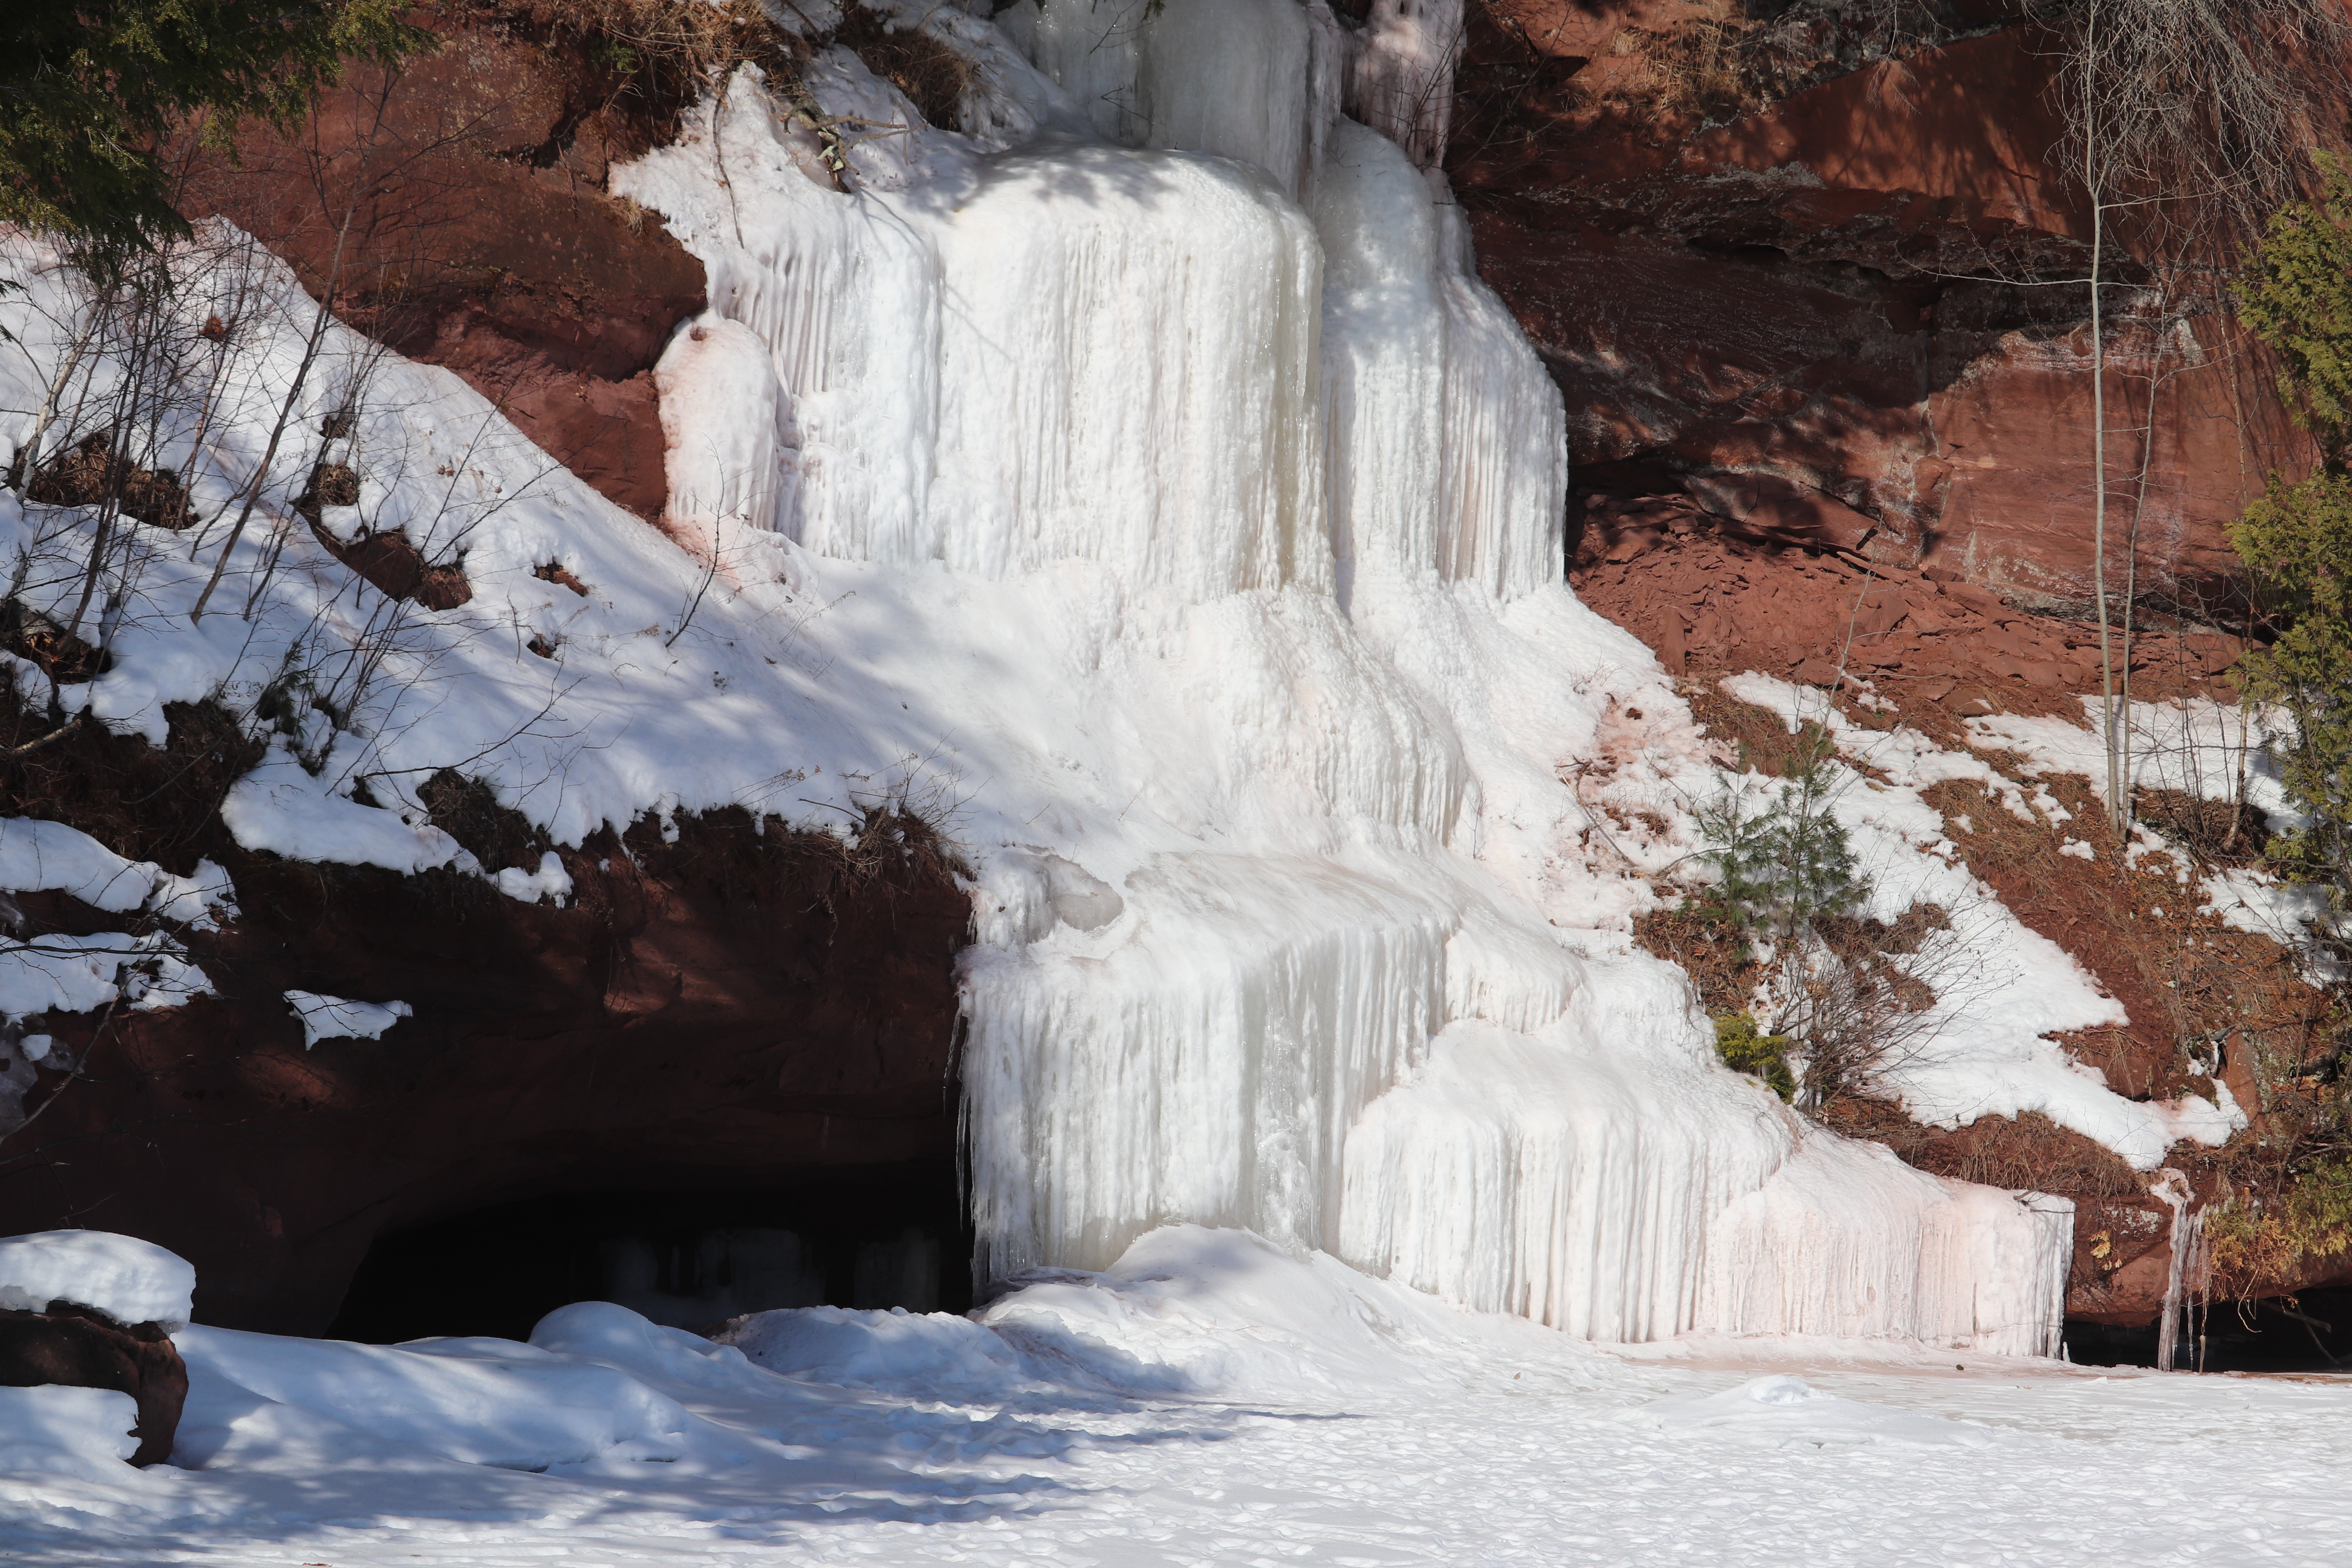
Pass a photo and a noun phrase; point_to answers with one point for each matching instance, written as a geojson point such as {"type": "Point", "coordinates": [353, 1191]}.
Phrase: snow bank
{"type": "Point", "coordinates": [79, 1432]}
{"type": "Point", "coordinates": [481, 1402]}
{"type": "Point", "coordinates": [1224, 1314]}
{"type": "Point", "coordinates": [932, 1352]}
{"type": "Point", "coordinates": [130, 1281]}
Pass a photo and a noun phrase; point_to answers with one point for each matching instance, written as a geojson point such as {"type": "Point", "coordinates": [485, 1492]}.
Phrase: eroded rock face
{"type": "Point", "coordinates": [729, 1008]}
{"type": "Point", "coordinates": [1853, 284]}
{"type": "Point", "coordinates": [458, 211]}
{"type": "Point", "coordinates": [79, 1348]}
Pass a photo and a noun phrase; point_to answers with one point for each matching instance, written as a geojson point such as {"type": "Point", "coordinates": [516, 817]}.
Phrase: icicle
{"type": "Point", "coordinates": [2187, 1235]}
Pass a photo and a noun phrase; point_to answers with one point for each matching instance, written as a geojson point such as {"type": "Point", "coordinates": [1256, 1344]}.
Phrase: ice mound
{"type": "Point", "coordinates": [935, 1353]}
{"type": "Point", "coordinates": [130, 1281]}
{"type": "Point", "coordinates": [1192, 1312]}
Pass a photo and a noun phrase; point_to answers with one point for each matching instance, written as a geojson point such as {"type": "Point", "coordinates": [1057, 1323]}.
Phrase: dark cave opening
{"type": "Point", "coordinates": [2308, 1332]}
{"type": "Point", "coordinates": [886, 1236]}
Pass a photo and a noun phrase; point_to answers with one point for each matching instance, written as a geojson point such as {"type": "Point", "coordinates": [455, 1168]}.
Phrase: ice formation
{"type": "Point", "coordinates": [1189, 374]}
{"type": "Point", "coordinates": [1142, 475]}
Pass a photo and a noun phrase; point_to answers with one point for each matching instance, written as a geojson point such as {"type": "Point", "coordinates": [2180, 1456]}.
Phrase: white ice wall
{"type": "Point", "coordinates": [1846, 1239]}
{"type": "Point", "coordinates": [1236, 519]}
{"type": "Point", "coordinates": [1446, 445]}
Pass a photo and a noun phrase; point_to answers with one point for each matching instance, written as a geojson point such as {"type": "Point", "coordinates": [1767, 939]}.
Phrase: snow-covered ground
{"type": "Point", "coordinates": [1210, 1400]}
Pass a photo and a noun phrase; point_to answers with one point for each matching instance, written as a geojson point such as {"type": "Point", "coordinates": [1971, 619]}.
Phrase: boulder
{"type": "Point", "coordinates": [80, 1347]}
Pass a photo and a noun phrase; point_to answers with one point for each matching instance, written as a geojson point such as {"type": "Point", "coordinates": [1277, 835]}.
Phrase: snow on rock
{"type": "Point", "coordinates": [2194, 744]}
{"type": "Point", "coordinates": [285, 808]}
{"type": "Point", "coordinates": [130, 1281]}
{"type": "Point", "coordinates": [82, 973]}
{"type": "Point", "coordinates": [339, 1018]}
{"type": "Point", "coordinates": [2002, 988]}
{"type": "Point", "coordinates": [36, 855]}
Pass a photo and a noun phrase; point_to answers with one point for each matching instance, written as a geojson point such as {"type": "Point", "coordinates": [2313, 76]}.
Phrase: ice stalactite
{"type": "Point", "coordinates": [1174, 394]}
{"type": "Point", "coordinates": [2185, 1271]}
{"type": "Point", "coordinates": [1445, 450]}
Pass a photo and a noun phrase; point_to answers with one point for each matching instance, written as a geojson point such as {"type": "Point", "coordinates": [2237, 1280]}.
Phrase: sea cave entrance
{"type": "Point", "coordinates": [2311, 1331]}
{"type": "Point", "coordinates": [875, 1237]}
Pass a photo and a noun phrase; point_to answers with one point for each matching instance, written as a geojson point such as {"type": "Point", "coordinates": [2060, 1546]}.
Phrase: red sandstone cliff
{"type": "Point", "coordinates": [1752, 251]}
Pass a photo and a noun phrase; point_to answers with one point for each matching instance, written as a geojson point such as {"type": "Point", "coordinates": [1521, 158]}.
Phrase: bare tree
{"type": "Point", "coordinates": [2187, 117]}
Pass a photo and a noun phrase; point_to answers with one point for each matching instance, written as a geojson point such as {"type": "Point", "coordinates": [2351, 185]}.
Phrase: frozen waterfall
{"type": "Point", "coordinates": [1234, 499]}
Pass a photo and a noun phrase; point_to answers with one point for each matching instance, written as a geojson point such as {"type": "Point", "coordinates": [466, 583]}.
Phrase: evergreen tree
{"type": "Point", "coordinates": [91, 89]}
{"type": "Point", "coordinates": [2298, 540]}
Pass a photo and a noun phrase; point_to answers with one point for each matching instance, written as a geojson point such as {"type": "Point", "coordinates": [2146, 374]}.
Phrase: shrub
{"type": "Point", "coordinates": [2296, 541]}
{"type": "Point", "coordinates": [2250, 1244]}
{"type": "Point", "coordinates": [1744, 1047]}
{"type": "Point", "coordinates": [1786, 867]}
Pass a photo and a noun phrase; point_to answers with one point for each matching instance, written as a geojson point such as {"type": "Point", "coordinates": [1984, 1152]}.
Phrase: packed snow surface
{"type": "Point", "coordinates": [1208, 1400]}
{"type": "Point", "coordinates": [130, 1281]}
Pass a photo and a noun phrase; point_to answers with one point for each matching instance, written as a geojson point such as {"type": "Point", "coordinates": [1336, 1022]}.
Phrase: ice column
{"type": "Point", "coordinates": [1242, 78]}
{"type": "Point", "coordinates": [1127, 374]}
{"type": "Point", "coordinates": [1082, 352]}
{"type": "Point", "coordinates": [1553, 1177]}
{"type": "Point", "coordinates": [843, 291]}
{"type": "Point", "coordinates": [1445, 439]}
{"type": "Point", "coordinates": [1210, 1074]}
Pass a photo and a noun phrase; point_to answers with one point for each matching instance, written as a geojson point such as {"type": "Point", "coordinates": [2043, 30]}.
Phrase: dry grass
{"type": "Point", "coordinates": [144, 802]}
{"type": "Point", "coordinates": [89, 471]}
{"type": "Point", "coordinates": [654, 58]}
{"type": "Point", "coordinates": [933, 77]}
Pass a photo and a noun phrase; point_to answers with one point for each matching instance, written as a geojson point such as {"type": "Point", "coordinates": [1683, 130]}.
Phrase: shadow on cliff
{"type": "Point", "coordinates": [722, 1001]}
